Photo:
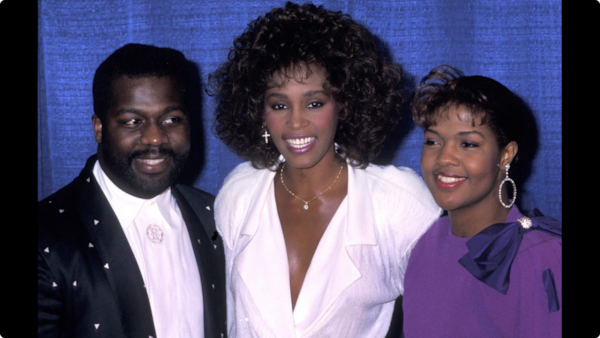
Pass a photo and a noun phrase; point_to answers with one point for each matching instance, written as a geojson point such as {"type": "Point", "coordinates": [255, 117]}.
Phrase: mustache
{"type": "Point", "coordinates": [152, 152]}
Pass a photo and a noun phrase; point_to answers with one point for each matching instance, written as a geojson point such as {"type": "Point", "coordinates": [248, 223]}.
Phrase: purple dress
{"type": "Point", "coordinates": [443, 299]}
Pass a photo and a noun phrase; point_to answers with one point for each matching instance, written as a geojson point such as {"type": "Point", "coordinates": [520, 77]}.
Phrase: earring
{"type": "Point", "coordinates": [266, 135]}
{"type": "Point", "coordinates": [507, 179]}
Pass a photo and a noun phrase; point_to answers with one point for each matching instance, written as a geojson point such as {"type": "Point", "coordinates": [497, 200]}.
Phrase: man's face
{"type": "Point", "coordinates": [144, 140]}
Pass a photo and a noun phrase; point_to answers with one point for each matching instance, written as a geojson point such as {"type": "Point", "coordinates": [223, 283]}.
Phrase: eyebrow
{"type": "Point", "coordinates": [305, 94]}
{"type": "Point", "coordinates": [126, 111]}
{"type": "Point", "coordinates": [462, 133]}
{"type": "Point", "coordinates": [139, 111]}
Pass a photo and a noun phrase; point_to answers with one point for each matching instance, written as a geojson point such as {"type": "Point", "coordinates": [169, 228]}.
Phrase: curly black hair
{"type": "Point", "coordinates": [488, 101]}
{"type": "Point", "coordinates": [365, 83]}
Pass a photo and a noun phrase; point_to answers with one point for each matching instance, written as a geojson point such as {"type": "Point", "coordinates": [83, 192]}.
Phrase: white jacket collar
{"type": "Point", "coordinates": [360, 209]}
{"type": "Point", "coordinates": [261, 258]}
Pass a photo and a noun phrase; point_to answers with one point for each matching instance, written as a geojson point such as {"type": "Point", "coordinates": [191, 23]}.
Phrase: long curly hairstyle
{"type": "Point", "coordinates": [489, 103]}
{"type": "Point", "coordinates": [365, 84]}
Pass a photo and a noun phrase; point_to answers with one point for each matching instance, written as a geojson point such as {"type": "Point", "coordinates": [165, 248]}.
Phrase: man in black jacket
{"type": "Point", "coordinates": [123, 250]}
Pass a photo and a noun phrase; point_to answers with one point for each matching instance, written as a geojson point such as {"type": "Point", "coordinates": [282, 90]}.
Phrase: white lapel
{"type": "Point", "coordinates": [361, 224]}
{"type": "Point", "coordinates": [332, 269]}
{"type": "Point", "coordinates": [331, 272]}
{"type": "Point", "coordinates": [261, 260]}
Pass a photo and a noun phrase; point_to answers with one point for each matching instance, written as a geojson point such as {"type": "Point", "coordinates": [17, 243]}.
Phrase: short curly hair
{"type": "Point", "coordinates": [488, 101]}
{"type": "Point", "coordinates": [136, 60]}
{"type": "Point", "coordinates": [365, 83]}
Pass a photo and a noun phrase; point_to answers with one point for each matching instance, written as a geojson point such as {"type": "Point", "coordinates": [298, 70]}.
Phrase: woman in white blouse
{"type": "Point", "coordinates": [316, 238]}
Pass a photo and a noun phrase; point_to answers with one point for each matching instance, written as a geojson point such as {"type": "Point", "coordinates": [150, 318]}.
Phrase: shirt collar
{"type": "Point", "coordinates": [361, 226]}
{"type": "Point", "coordinates": [126, 206]}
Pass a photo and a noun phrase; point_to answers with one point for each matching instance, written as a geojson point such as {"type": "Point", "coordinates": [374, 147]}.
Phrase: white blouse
{"type": "Point", "coordinates": [357, 270]}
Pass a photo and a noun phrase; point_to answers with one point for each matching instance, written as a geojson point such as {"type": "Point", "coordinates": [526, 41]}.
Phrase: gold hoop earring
{"type": "Point", "coordinates": [507, 179]}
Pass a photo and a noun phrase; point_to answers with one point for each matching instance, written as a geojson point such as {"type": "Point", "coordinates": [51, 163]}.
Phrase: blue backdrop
{"type": "Point", "coordinates": [518, 43]}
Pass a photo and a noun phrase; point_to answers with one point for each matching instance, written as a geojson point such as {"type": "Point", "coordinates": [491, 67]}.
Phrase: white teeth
{"type": "Point", "coordinates": [152, 162]}
{"type": "Point", "coordinates": [300, 142]}
{"type": "Point", "coordinates": [445, 179]}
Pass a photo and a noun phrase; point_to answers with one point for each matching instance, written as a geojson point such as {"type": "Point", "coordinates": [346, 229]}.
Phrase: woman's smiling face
{"type": "Point", "coordinates": [460, 162]}
{"type": "Point", "coordinates": [301, 116]}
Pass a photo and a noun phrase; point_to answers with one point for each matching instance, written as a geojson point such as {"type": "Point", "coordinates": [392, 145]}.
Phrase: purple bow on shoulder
{"type": "Point", "coordinates": [492, 251]}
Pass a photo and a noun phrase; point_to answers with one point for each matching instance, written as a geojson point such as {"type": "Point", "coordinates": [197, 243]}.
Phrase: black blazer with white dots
{"type": "Point", "coordinates": [89, 284]}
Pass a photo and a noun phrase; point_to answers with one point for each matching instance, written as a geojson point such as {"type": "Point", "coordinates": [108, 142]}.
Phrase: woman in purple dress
{"type": "Point", "coordinates": [484, 269]}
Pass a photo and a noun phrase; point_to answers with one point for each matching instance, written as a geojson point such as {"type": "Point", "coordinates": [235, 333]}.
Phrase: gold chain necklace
{"type": "Point", "coordinates": [310, 200]}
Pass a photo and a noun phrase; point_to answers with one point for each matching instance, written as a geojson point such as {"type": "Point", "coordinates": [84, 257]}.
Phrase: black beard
{"type": "Point", "coordinates": [126, 179]}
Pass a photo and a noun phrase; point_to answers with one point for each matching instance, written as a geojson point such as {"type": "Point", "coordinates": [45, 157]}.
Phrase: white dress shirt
{"type": "Point", "coordinates": [168, 267]}
{"type": "Point", "coordinates": [357, 270]}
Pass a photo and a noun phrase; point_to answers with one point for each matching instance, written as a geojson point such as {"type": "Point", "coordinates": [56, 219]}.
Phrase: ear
{"type": "Point", "coordinates": [509, 153]}
{"type": "Point", "coordinates": [97, 128]}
